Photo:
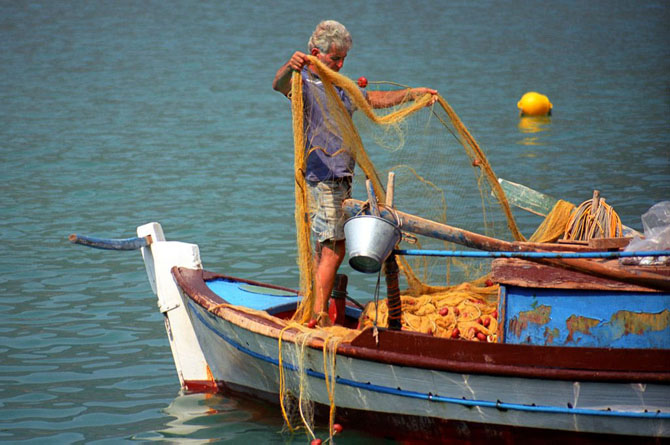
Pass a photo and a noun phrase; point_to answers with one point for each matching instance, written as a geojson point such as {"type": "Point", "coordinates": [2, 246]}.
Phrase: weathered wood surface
{"type": "Point", "coordinates": [372, 198]}
{"type": "Point", "coordinates": [586, 364]}
{"type": "Point", "coordinates": [524, 273]}
{"type": "Point", "coordinates": [614, 271]}
{"type": "Point", "coordinates": [528, 246]}
{"type": "Point", "coordinates": [609, 243]}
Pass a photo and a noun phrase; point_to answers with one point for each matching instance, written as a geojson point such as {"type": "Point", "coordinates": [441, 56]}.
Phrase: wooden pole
{"type": "Point", "coordinates": [372, 198]}
{"type": "Point", "coordinates": [393, 300]}
{"type": "Point", "coordinates": [390, 189]}
{"type": "Point", "coordinates": [595, 202]}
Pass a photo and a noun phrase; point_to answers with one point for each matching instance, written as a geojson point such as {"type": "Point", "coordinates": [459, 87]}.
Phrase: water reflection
{"type": "Point", "coordinates": [206, 418]}
{"type": "Point", "coordinates": [531, 125]}
{"type": "Point", "coordinates": [202, 418]}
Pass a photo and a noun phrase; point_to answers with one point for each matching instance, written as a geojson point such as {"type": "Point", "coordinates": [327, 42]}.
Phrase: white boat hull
{"type": "Point", "coordinates": [240, 357]}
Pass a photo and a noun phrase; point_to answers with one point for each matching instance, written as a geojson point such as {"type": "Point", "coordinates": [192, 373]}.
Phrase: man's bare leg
{"type": "Point", "coordinates": [329, 257]}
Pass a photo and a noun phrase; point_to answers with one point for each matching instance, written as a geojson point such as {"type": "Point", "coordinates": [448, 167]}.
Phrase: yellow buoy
{"type": "Point", "coordinates": [534, 104]}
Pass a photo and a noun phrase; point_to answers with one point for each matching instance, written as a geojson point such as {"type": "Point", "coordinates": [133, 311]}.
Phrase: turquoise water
{"type": "Point", "coordinates": [118, 113]}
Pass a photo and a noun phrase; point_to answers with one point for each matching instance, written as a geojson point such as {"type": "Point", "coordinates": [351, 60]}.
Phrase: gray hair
{"type": "Point", "coordinates": [330, 33]}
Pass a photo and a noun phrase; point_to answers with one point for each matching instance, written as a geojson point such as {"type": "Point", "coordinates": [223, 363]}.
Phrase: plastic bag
{"type": "Point", "coordinates": [656, 224]}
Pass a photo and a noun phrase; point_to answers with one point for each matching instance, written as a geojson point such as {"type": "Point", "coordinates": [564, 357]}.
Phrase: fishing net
{"type": "Point", "coordinates": [442, 175]}
{"type": "Point", "coordinates": [296, 395]}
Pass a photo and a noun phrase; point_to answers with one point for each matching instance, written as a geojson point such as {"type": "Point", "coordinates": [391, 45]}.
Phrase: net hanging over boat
{"type": "Point", "coordinates": [441, 173]}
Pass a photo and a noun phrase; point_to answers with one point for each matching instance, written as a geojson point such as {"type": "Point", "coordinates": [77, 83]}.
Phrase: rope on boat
{"type": "Point", "coordinates": [593, 219]}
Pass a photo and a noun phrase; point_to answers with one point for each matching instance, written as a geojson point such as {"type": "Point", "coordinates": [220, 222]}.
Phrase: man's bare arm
{"type": "Point", "coordinates": [385, 99]}
{"type": "Point", "coordinates": [282, 80]}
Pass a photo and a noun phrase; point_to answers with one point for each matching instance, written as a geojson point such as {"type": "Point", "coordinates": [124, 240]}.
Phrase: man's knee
{"type": "Point", "coordinates": [331, 250]}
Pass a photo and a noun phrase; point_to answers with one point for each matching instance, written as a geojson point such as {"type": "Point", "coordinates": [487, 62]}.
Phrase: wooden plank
{"type": "Point", "coordinates": [523, 273]}
{"type": "Point", "coordinates": [604, 318]}
{"type": "Point", "coordinates": [575, 242]}
{"type": "Point", "coordinates": [609, 243]}
{"type": "Point", "coordinates": [528, 246]}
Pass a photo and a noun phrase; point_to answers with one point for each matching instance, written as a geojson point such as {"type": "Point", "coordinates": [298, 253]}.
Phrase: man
{"type": "Point", "coordinates": [329, 170]}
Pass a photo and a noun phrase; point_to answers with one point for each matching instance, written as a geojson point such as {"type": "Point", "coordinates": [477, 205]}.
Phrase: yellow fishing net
{"type": "Point", "coordinates": [466, 311]}
{"type": "Point", "coordinates": [553, 226]}
{"type": "Point", "coordinates": [441, 175]}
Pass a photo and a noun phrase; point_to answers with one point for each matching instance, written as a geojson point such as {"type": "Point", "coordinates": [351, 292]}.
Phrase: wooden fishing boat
{"type": "Point", "coordinates": [566, 366]}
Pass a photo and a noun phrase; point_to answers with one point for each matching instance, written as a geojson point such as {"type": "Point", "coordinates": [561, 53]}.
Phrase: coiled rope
{"type": "Point", "coordinates": [593, 219]}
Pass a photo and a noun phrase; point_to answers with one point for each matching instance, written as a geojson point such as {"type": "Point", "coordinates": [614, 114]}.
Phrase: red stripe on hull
{"type": "Point", "coordinates": [201, 386]}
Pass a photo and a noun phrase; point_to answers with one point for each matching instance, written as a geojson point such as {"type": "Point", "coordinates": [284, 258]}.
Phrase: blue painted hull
{"type": "Point", "coordinates": [587, 318]}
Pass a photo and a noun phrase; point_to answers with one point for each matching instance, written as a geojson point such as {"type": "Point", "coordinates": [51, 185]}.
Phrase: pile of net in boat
{"type": "Point", "coordinates": [466, 311]}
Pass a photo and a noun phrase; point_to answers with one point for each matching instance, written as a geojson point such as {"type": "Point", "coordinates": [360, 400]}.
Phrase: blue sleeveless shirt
{"type": "Point", "coordinates": [321, 142]}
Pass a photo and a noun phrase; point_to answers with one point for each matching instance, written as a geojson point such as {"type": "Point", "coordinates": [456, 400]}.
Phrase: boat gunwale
{"type": "Point", "coordinates": [399, 347]}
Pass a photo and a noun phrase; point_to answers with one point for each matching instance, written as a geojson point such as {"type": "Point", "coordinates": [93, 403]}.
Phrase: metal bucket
{"type": "Point", "coordinates": [369, 241]}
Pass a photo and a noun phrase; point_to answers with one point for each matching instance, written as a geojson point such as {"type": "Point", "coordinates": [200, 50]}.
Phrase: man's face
{"type": "Point", "coordinates": [333, 59]}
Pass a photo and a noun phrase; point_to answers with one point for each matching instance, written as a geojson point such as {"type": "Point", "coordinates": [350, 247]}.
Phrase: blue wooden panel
{"type": "Point", "coordinates": [585, 318]}
{"type": "Point", "coordinates": [254, 297]}
{"type": "Point", "coordinates": [273, 301]}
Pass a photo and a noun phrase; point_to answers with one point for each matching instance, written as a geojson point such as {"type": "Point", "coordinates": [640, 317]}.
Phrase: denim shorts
{"type": "Point", "coordinates": [325, 204]}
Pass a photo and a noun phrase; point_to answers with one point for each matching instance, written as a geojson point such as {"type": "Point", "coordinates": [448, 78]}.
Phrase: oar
{"type": "Point", "coordinates": [421, 226]}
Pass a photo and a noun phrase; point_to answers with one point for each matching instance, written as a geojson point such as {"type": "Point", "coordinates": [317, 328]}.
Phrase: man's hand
{"type": "Point", "coordinates": [416, 93]}
{"type": "Point", "coordinates": [298, 61]}
{"type": "Point", "coordinates": [282, 80]}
